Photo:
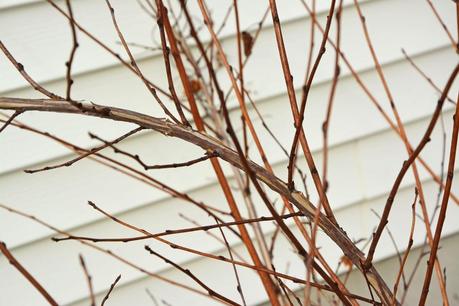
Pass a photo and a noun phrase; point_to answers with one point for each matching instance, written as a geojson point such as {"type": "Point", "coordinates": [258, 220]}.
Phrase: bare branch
{"type": "Point", "coordinates": [26, 274]}
{"type": "Point", "coordinates": [208, 143]}
{"type": "Point", "coordinates": [112, 286]}
{"type": "Point", "coordinates": [88, 280]}
{"type": "Point", "coordinates": [90, 152]}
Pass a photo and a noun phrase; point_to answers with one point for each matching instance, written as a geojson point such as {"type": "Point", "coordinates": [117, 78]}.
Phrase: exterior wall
{"type": "Point", "coordinates": [365, 155]}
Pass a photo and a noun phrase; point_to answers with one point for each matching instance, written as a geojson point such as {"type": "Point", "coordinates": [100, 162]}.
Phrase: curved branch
{"type": "Point", "coordinates": [211, 145]}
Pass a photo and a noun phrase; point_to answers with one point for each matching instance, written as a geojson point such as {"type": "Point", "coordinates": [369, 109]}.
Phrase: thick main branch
{"type": "Point", "coordinates": [216, 147]}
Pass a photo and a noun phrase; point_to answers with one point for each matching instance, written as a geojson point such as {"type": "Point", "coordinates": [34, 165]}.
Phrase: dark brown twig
{"type": "Point", "coordinates": [112, 286]}
{"type": "Point", "coordinates": [88, 280]}
{"type": "Point", "coordinates": [10, 119]}
{"type": "Point", "coordinates": [410, 244]}
{"type": "Point", "coordinates": [160, 22]}
{"type": "Point", "coordinates": [151, 167]}
{"type": "Point", "coordinates": [443, 25]}
{"type": "Point", "coordinates": [192, 276]}
{"type": "Point", "coordinates": [75, 45]}
{"type": "Point", "coordinates": [88, 153]}
{"type": "Point", "coordinates": [219, 225]}
{"type": "Point", "coordinates": [424, 75]}
{"type": "Point", "coordinates": [228, 247]}
{"type": "Point", "coordinates": [103, 46]}
{"type": "Point", "coordinates": [296, 114]}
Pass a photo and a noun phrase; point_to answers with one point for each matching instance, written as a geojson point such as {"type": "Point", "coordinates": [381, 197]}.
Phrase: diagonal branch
{"type": "Point", "coordinates": [211, 144]}
{"type": "Point", "coordinates": [4, 250]}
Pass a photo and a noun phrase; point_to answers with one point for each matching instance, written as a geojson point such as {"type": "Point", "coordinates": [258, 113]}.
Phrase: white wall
{"type": "Point", "coordinates": [365, 155]}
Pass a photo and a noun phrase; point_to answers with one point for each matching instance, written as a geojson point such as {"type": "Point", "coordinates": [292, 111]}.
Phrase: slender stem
{"type": "Point", "coordinates": [13, 261]}
{"type": "Point", "coordinates": [444, 206]}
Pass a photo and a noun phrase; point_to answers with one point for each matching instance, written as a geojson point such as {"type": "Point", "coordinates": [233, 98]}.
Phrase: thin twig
{"type": "Point", "coordinates": [13, 261]}
{"type": "Point", "coordinates": [228, 247]}
{"type": "Point", "coordinates": [406, 165]}
{"type": "Point", "coordinates": [112, 286]}
{"type": "Point", "coordinates": [410, 244]}
{"type": "Point", "coordinates": [424, 75]}
{"type": "Point", "coordinates": [161, 10]}
{"type": "Point", "coordinates": [88, 153]}
{"type": "Point", "coordinates": [444, 205]}
{"type": "Point", "coordinates": [75, 45]}
{"type": "Point", "coordinates": [133, 63]}
{"type": "Point", "coordinates": [88, 280]}
{"type": "Point", "coordinates": [106, 252]}
{"type": "Point", "coordinates": [192, 276]}
{"type": "Point", "coordinates": [10, 119]}
{"type": "Point", "coordinates": [207, 143]}
{"type": "Point", "coordinates": [20, 68]}
{"type": "Point", "coordinates": [151, 167]}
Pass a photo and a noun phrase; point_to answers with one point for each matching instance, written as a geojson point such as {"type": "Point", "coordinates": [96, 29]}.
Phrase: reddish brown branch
{"type": "Point", "coordinates": [401, 128]}
{"type": "Point", "coordinates": [265, 278]}
{"type": "Point", "coordinates": [444, 206]}
{"type": "Point", "coordinates": [107, 252]}
{"type": "Point", "coordinates": [296, 115]}
{"type": "Point", "coordinates": [406, 165]}
{"type": "Point", "coordinates": [12, 260]}
{"type": "Point", "coordinates": [305, 95]}
{"type": "Point", "coordinates": [372, 98]}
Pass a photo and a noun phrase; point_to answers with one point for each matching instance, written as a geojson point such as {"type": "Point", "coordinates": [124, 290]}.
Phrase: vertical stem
{"type": "Point", "coordinates": [444, 206]}
{"type": "Point", "coordinates": [265, 278]}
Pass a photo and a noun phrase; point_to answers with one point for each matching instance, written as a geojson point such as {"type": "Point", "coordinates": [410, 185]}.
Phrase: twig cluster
{"type": "Point", "coordinates": [202, 117]}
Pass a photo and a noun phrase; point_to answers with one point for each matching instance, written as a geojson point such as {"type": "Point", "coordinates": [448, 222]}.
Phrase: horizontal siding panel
{"type": "Point", "coordinates": [47, 67]}
{"type": "Point", "coordinates": [12, 4]}
{"type": "Point", "coordinates": [415, 99]}
{"type": "Point", "coordinates": [42, 26]}
{"type": "Point", "coordinates": [86, 176]}
{"type": "Point", "coordinates": [37, 20]}
{"type": "Point", "coordinates": [355, 175]}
